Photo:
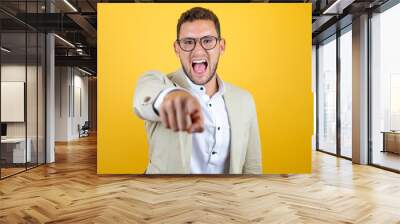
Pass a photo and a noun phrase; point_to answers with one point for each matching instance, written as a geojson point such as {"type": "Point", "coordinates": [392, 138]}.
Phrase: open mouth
{"type": "Point", "coordinates": [199, 66]}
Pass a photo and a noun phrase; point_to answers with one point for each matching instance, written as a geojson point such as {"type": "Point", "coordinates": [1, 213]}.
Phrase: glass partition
{"type": "Point", "coordinates": [14, 154]}
{"type": "Point", "coordinates": [22, 88]}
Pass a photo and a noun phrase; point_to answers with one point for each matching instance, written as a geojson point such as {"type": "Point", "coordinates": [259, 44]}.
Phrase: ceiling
{"type": "Point", "coordinates": [76, 22]}
{"type": "Point", "coordinates": [72, 20]}
{"type": "Point", "coordinates": [332, 15]}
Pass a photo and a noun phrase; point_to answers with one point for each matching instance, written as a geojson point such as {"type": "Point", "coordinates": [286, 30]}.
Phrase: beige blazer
{"type": "Point", "coordinates": [170, 151]}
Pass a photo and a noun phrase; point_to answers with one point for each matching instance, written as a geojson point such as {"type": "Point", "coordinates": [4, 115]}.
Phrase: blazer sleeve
{"type": "Point", "coordinates": [252, 164]}
{"type": "Point", "coordinates": [149, 86]}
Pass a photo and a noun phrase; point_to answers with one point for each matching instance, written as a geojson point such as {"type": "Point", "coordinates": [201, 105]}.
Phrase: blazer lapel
{"type": "Point", "coordinates": [233, 110]}
{"type": "Point", "coordinates": [179, 78]}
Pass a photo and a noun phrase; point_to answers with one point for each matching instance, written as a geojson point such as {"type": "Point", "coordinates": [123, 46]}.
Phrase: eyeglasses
{"type": "Point", "coordinates": [206, 42]}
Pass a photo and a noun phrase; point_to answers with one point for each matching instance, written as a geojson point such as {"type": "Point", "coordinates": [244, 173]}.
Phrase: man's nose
{"type": "Point", "coordinates": [198, 48]}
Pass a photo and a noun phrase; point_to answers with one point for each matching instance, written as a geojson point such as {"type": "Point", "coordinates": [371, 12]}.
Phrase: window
{"type": "Point", "coordinates": [385, 88]}
{"type": "Point", "coordinates": [346, 93]}
{"type": "Point", "coordinates": [327, 95]}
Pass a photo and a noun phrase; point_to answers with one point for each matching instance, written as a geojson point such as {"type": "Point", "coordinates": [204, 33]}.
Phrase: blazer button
{"type": "Point", "coordinates": [147, 99]}
{"type": "Point", "coordinates": [213, 152]}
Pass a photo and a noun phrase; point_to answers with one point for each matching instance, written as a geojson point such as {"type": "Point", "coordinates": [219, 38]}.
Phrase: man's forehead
{"type": "Point", "coordinates": [198, 28]}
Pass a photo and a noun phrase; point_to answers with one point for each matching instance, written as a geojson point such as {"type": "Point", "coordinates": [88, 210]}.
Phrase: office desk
{"type": "Point", "coordinates": [391, 141]}
{"type": "Point", "coordinates": [13, 150]}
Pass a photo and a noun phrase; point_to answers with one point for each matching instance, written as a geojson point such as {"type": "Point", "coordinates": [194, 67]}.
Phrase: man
{"type": "Point", "coordinates": [195, 122]}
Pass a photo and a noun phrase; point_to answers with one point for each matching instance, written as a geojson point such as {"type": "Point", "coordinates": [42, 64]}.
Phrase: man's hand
{"type": "Point", "coordinates": [180, 111]}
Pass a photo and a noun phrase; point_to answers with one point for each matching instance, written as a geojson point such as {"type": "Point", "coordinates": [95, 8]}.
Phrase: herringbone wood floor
{"type": "Point", "coordinates": [69, 191]}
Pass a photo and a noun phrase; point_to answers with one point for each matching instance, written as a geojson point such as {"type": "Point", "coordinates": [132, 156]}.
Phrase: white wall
{"type": "Point", "coordinates": [81, 84]}
{"type": "Point", "coordinates": [71, 93]}
{"type": "Point", "coordinates": [16, 73]}
{"type": "Point", "coordinates": [62, 81]}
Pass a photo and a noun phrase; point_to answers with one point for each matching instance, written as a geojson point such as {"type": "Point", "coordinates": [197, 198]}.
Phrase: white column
{"type": "Point", "coordinates": [360, 90]}
{"type": "Point", "coordinates": [50, 92]}
{"type": "Point", "coordinates": [50, 100]}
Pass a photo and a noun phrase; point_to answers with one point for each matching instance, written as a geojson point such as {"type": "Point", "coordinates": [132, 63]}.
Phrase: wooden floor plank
{"type": "Point", "coordinates": [70, 191]}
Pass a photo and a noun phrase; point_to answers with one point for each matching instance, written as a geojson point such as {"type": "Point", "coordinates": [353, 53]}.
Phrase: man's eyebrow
{"type": "Point", "coordinates": [208, 35]}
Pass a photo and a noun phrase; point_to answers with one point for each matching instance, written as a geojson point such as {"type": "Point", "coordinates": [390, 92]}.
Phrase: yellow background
{"type": "Point", "coordinates": [268, 52]}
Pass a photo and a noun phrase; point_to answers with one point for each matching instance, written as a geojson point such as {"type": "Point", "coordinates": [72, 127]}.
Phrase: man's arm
{"type": "Point", "coordinates": [148, 88]}
{"type": "Point", "coordinates": [253, 164]}
{"type": "Point", "coordinates": [157, 99]}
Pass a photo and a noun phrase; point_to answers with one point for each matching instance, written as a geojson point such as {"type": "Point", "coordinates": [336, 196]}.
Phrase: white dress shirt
{"type": "Point", "coordinates": [210, 150]}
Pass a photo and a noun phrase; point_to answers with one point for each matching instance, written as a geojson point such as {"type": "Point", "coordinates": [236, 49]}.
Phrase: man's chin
{"type": "Point", "coordinates": [200, 80]}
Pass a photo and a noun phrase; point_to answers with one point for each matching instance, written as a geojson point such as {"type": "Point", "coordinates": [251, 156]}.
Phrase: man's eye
{"type": "Point", "coordinates": [188, 42]}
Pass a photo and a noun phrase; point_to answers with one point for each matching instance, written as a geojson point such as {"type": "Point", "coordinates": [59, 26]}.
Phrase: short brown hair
{"type": "Point", "coordinates": [198, 13]}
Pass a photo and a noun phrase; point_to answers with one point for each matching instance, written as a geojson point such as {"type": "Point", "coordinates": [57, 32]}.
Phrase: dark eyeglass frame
{"type": "Point", "coordinates": [198, 40]}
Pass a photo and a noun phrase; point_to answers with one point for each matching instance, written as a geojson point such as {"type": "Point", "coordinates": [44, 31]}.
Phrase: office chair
{"type": "Point", "coordinates": [84, 130]}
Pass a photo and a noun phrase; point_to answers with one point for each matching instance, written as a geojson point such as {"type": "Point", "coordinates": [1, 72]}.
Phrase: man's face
{"type": "Point", "coordinates": [199, 64]}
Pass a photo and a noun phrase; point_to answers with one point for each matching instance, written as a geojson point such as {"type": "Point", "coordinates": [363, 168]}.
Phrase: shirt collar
{"type": "Point", "coordinates": [201, 89]}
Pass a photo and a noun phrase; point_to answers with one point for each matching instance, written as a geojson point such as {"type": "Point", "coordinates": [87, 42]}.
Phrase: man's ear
{"type": "Point", "coordinates": [176, 48]}
{"type": "Point", "coordinates": [222, 44]}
